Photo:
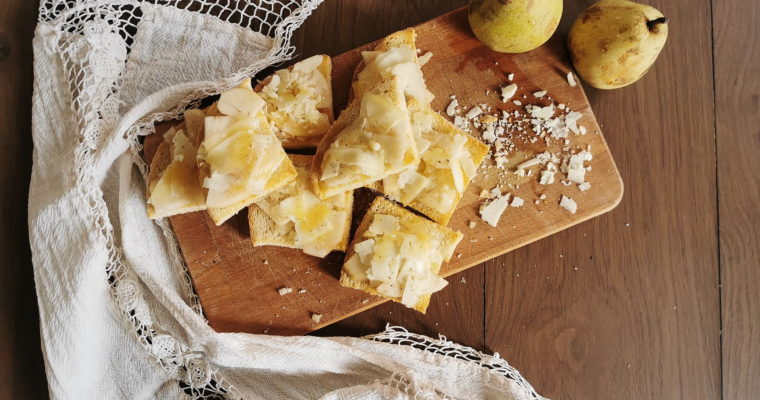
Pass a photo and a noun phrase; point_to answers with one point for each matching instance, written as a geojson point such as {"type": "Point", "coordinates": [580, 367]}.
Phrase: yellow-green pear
{"type": "Point", "coordinates": [614, 42]}
{"type": "Point", "coordinates": [514, 26]}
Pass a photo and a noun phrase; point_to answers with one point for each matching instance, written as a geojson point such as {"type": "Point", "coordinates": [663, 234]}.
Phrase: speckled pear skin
{"type": "Point", "coordinates": [514, 26]}
{"type": "Point", "coordinates": [613, 43]}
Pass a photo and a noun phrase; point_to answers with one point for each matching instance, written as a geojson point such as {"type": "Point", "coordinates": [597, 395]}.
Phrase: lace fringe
{"type": "Point", "coordinates": [93, 38]}
{"type": "Point", "coordinates": [401, 336]}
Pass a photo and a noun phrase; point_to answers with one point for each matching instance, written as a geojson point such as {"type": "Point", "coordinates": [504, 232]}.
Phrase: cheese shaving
{"type": "Point", "coordinates": [491, 211]}
{"type": "Point", "coordinates": [398, 258]}
{"type": "Point", "coordinates": [571, 79]}
{"type": "Point", "coordinates": [568, 204]}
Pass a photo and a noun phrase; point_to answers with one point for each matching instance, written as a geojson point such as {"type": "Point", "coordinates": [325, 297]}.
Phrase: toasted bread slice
{"type": "Point", "coordinates": [395, 55]}
{"type": "Point", "coordinates": [282, 173]}
{"type": "Point", "coordinates": [430, 244]}
{"type": "Point", "coordinates": [173, 184]}
{"type": "Point", "coordinates": [432, 190]}
{"type": "Point", "coordinates": [266, 231]}
{"type": "Point", "coordinates": [299, 102]}
{"type": "Point", "coordinates": [371, 139]}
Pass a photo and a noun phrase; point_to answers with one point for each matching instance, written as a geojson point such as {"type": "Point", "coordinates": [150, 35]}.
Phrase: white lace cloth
{"type": "Point", "coordinates": [118, 315]}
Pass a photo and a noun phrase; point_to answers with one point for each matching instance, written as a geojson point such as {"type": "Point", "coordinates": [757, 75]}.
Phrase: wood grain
{"type": "Point", "coordinates": [238, 283]}
{"type": "Point", "coordinates": [626, 306]}
{"type": "Point", "coordinates": [22, 374]}
{"type": "Point", "coordinates": [737, 119]}
{"type": "Point", "coordinates": [573, 336]}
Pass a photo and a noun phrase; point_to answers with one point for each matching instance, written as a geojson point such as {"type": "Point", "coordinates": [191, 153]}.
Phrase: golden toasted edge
{"type": "Point", "coordinates": [387, 87]}
{"type": "Point", "coordinates": [447, 237]}
{"type": "Point", "coordinates": [312, 141]}
{"type": "Point", "coordinates": [262, 227]}
{"type": "Point", "coordinates": [407, 36]}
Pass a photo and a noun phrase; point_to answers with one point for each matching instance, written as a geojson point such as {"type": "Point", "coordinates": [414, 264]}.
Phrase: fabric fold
{"type": "Point", "coordinates": [118, 315]}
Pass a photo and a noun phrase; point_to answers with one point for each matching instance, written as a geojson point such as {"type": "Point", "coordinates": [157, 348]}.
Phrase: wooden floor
{"type": "Point", "coordinates": [658, 299]}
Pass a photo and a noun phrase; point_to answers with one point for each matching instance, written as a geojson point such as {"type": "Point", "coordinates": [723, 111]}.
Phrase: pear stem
{"type": "Point", "coordinates": [652, 25]}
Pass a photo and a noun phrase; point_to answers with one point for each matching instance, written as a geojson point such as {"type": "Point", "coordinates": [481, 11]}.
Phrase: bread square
{"type": "Point", "coordinates": [438, 240]}
{"type": "Point", "coordinates": [348, 133]}
{"type": "Point", "coordinates": [295, 85]}
{"type": "Point", "coordinates": [283, 175]}
{"type": "Point", "coordinates": [188, 192]}
{"type": "Point", "coordinates": [266, 231]}
{"type": "Point", "coordinates": [430, 127]}
{"type": "Point", "coordinates": [405, 38]}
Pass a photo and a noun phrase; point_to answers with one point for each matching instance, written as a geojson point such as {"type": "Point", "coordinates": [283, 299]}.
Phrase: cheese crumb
{"type": "Point", "coordinates": [517, 202]}
{"type": "Point", "coordinates": [284, 290]}
{"type": "Point", "coordinates": [584, 186]}
{"type": "Point", "coordinates": [568, 204]}
{"type": "Point", "coordinates": [575, 170]}
{"type": "Point", "coordinates": [540, 93]}
{"type": "Point", "coordinates": [488, 119]}
{"type": "Point", "coordinates": [423, 59]}
{"type": "Point", "coordinates": [302, 291]}
{"type": "Point", "coordinates": [547, 177]}
{"type": "Point", "coordinates": [507, 92]}
{"type": "Point", "coordinates": [489, 134]}
{"type": "Point", "coordinates": [474, 112]}
{"type": "Point", "coordinates": [500, 161]}
{"type": "Point", "coordinates": [316, 317]}
{"type": "Point", "coordinates": [529, 163]}
{"type": "Point", "coordinates": [543, 113]}
{"type": "Point", "coordinates": [461, 123]}
{"type": "Point", "coordinates": [571, 120]}
{"type": "Point", "coordinates": [472, 224]}
{"type": "Point", "coordinates": [571, 79]}
{"type": "Point", "coordinates": [491, 211]}
{"type": "Point", "coordinates": [453, 107]}
{"type": "Point", "coordinates": [511, 77]}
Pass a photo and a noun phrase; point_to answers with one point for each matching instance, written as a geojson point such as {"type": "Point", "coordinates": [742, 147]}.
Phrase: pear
{"type": "Point", "coordinates": [514, 26]}
{"type": "Point", "coordinates": [615, 42]}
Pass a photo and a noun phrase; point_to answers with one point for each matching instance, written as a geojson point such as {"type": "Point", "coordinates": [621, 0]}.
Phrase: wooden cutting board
{"type": "Point", "coordinates": [238, 283]}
